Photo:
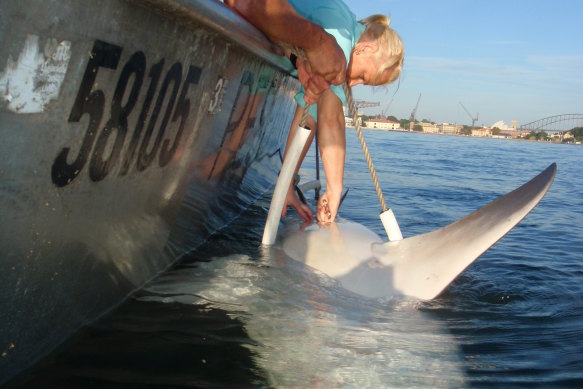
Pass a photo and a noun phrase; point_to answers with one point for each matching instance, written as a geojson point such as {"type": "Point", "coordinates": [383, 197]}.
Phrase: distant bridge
{"type": "Point", "coordinates": [554, 124]}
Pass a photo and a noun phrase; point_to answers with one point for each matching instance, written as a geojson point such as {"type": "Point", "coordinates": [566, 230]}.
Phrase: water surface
{"type": "Point", "coordinates": [235, 315]}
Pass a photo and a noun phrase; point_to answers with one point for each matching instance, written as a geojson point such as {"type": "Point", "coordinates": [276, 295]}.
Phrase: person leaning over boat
{"type": "Point", "coordinates": [374, 53]}
{"type": "Point", "coordinates": [325, 62]}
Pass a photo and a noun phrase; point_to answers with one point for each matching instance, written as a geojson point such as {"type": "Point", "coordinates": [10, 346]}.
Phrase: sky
{"type": "Point", "coordinates": [502, 59]}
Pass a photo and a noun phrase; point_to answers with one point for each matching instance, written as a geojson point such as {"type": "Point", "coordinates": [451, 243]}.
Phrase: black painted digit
{"type": "Point", "coordinates": [87, 102]}
{"type": "Point", "coordinates": [182, 110]}
{"type": "Point", "coordinates": [174, 76]}
{"type": "Point", "coordinates": [100, 167]}
{"type": "Point", "coordinates": [103, 149]}
{"type": "Point", "coordinates": [154, 75]}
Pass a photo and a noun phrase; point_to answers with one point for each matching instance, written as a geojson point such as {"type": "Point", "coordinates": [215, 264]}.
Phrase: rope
{"type": "Point", "coordinates": [304, 116]}
{"type": "Point", "coordinates": [373, 173]}
{"type": "Point", "coordinates": [353, 112]}
{"type": "Point", "coordinates": [303, 124]}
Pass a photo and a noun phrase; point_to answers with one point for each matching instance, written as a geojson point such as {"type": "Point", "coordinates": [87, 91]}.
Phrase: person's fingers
{"type": "Point", "coordinates": [304, 215]}
{"type": "Point", "coordinates": [302, 209]}
{"type": "Point", "coordinates": [307, 67]}
{"type": "Point", "coordinates": [337, 74]}
{"type": "Point", "coordinates": [310, 90]}
{"type": "Point", "coordinates": [327, 209]}
{"type": "Point", "coordinates": [314, 88]}
{"type": "Point", "coordinates": [318, 84]}
{"type": "Point", "coordinates": [306, 212]}
{"type": "Point", "coordinates": [338, 79]}
{"type": "Point", "coordinates": [323, 212]}
{"type": "Point", "coordinates": [332, 214]}
{"type": "Point", "coordinates": [303, 73]}
{"type": "Point", "coordinates": [314, 84]}
{"type": "Point", "coordinates": [309, 97]}
{"type": "Point", "coordinates": [306, 223]}
{"type": "Point", "coordinates": [324, 216]}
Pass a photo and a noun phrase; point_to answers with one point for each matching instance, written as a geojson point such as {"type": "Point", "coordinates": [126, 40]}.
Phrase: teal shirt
{"type": "Point", "coordinates": [336, 19]}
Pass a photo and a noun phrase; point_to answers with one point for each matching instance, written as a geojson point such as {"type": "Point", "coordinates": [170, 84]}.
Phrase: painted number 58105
{"type": "Point", "coordinates": [102, 145]}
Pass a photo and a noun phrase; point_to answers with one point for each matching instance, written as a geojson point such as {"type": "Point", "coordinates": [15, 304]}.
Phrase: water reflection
{"type": "Point", "coordinates": [306, 331]}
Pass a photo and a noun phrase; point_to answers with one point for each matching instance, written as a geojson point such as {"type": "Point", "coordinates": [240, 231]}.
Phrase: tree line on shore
{"type": "Point", "coordinates": [576, 135]}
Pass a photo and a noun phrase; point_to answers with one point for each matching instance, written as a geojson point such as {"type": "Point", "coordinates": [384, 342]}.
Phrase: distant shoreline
{"type": "Point", "coordinates": [466, 136]}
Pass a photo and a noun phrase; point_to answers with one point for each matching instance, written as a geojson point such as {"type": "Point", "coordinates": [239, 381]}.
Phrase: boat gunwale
{"type": "Point", "coordinates": [215, 15]}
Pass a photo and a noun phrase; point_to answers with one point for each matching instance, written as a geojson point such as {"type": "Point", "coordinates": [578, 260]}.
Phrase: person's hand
{"type": "Point", "coordinates": [313, 84]}
{"type": "Point", "coordinates": [281, 23]}
{"type": "Point", "coordinates": [327, 59]}
{"type": "Point", "coordinates": [303, 210]}
{"type": "Point", "coordinates": [328, 207]}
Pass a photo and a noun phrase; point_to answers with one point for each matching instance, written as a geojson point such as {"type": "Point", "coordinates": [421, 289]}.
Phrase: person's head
{"type": "Point", "coordinates": [377, 57]}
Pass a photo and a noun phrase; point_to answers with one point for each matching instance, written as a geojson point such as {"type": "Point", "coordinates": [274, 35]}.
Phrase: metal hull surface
{"type": "Point", "coordinates": [131, 131]}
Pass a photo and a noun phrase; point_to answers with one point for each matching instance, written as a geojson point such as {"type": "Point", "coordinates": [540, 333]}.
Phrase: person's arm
{"type": "Point", "coordinates": [281, 23]}
{"type": "Point", "coordinates": [292, 200]}
{"type": "Point", "coordinates": [332, 143]}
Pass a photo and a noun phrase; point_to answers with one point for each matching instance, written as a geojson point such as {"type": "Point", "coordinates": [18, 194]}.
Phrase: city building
{"type": "Point", "coordinates": [430, 128]}
{"type": "Point", "coordinates": [446, 128]}
{"type": "Point", "coordinates": [481, 132]}
{"type": "Point", "coordinates": [348, 122]}
{"type": "Point", "coordinates": [382, 124]}
{"type": "Point", "coordinates": [510, 133]}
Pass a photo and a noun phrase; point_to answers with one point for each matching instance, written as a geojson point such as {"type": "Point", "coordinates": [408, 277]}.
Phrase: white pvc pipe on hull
{"type": "Point", "coordinates": [285, 176]}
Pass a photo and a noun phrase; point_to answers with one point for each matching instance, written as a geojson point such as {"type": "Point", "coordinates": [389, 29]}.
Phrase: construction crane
{"type": "Point", "coordinates": [474, 120]}
{"type": "Point", "coordinates": [384, 111]}
{"type": "Point", "coordinates": [413, 113]}
{"type": "Point", "coordinates": [365, 104]}
{"type": "Point", "coordinates": [359, 104]}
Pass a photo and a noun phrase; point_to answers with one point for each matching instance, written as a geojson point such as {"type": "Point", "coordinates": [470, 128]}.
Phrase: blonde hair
{"type": "Point", "coordinates": [391, 50]}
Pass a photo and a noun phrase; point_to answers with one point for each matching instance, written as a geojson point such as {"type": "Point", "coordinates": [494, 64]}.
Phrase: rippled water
{"type": "Point", "coordinates": [235, 315]}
